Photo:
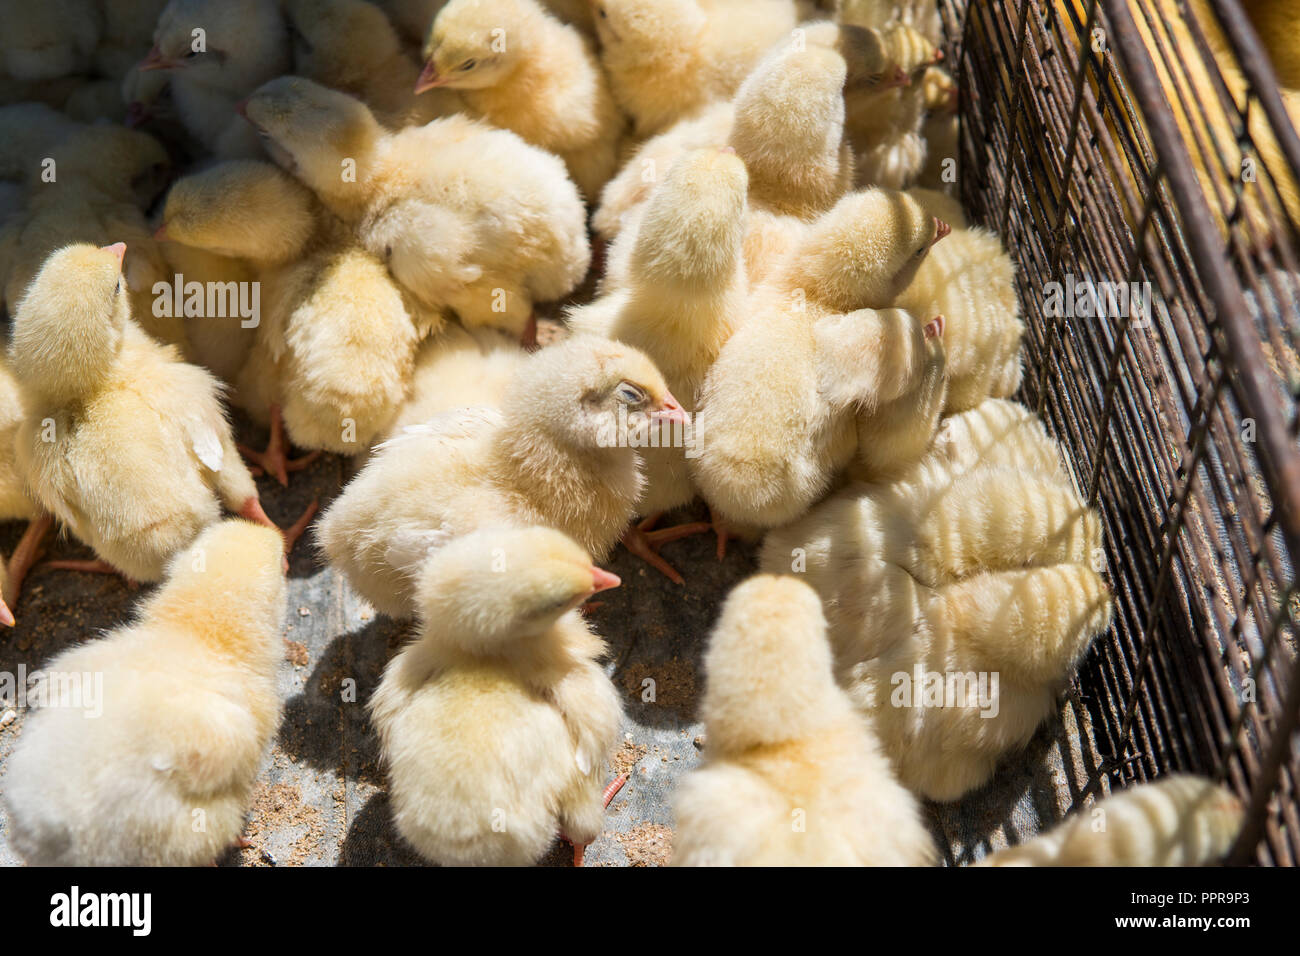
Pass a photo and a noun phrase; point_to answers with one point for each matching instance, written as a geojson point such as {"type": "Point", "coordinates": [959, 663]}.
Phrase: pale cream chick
{"type": "Point", "coordinates": [960, 597]}
{"type": "Point", "coordinates": [1179, 820]}
{"type": "Point", "coordinates": [497, 720]}
{"type": "Point", "coordinates": [413, 17]}
{"type": "Point", "coordinates": [102, 177]}
{"type": "Point", "coordinates": [521, 69]}
{"type": "Point", "coordinates": [173, 729]}
{"type": "Point", "coordinates": [786, 124]}
{"type": "Point", "coordinates": [780, 407]}
{"type": "Point", "coordinates": [16, 503]}
{"type": "Point", "coordinates": [123, 442]}
{"type": "Point", "coordinates": [683, 297]}
{"type": "Point", "coordinates": [792, 774]}
{"type": "Point", "coordinates": [556, 454]}
{"type": "Point", "coordinates": [466, 217]}
{"type": "Point", "coordinates": [240, 44]}
{"type": "Point", "coordinates": [667, 59]}
{"type": "Point", "coordinates": [349, 45]}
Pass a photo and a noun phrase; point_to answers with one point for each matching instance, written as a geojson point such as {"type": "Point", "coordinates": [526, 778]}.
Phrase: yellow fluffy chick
{"type": "Point", "coordinates": [15, 503]}
{"type": "Point", "coordinates": [123, 442]}
{"type": "Point", "coordinates": [102, 176]}
{"type": "Point", "coordinates": [779, 408]}
{"type": "Point", "coordinates": [921, 15]}
{"type": "Point", "coordinates": [335, 343]}
{"type": "Point", "coordinates": [45, 41]}
{"type": "Point", "coordinates": [1178, 820]}
{"type": "Point", "coordinates": [183, 706]}
{"type": "Point", "coordinates": [349, 45]}
{"type": "Point", "coordinates": [960, 597]}
{"type": "Point", "coordinates": [970, 281]}
{"type": "Point", "coordinates": [557, 454]}
{"type": "Point", "coordinates": [497, 720]}
{"type": "Point", "coordinates": [465, 216]}
{"type": "Point", "coordinates": [666, 59]}
{"type": "Point", "coordinates": [792, 773]}
{"type": "Point", "coordinates": [240, 45]}
{"type": "Point", "coordinates": [941, 130]}
{"type": "Point", "coordinates": [684, 295]}
{"type": "Point", "coordinates": [521, 69]}
{"type": "Point", "coordinates": [786, 124]}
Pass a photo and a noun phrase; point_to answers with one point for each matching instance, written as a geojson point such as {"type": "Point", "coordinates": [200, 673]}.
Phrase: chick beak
{"type": "Point", "coordinates": [429, 79]}
{"type": "Point", "coordinates": [118, 249]}
{"type": "Point", "coordinates": [934, 328]}
{"type": "Point", "coordinates": [938, 57]}
{"type": "Point", "coordinates": [160, 234]}
{"type": "Point", "coordinates": [898, 79]}
{"type": "Point", "coordinates": [670, 411]}
{"type": "Point", "coordinates": [602, 580]}
{"type": "Point", "coordinates": [242, 108]}
{"type": "Point", "coordinates": [136, 115]}
{"type": "Point", "coordinates": [941, 229]}
{"type": "Point", "coordinates": [156, 61]}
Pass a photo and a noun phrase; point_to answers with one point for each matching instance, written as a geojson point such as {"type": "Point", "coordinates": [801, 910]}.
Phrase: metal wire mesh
{"type": "Point", "coordinates": [1147, 142]}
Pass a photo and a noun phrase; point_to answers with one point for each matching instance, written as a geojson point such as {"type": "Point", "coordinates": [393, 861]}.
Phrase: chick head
{"type": "Point", "coordinates": [940, 91]}
{"type": "Point", "coordinates": [475, 44]}
{"type": "Point", "coordinates": [492, 587]}
{"type": "Point", "coordinates": [340, 40]}
{"type": "Point", "coordinates": [425, 246]}
{"type": "Point", "coordinates": [865, 57]}
{"type": "Point", "coordinates": [693, 231]}
{"type": "Point", "coordinates": [126, 164]}
{"type": "Point", "coordinates": [909, 49]}
{"type": "Point", "coordinates": [588, 392]}
{"type": "Point", "coordinates": [768, 664]}
{"type": "Point", "coordinates": [791, 104]}
{"type": "Point", "coordinates": [224, 44]}
{"type": "Point", "coordinates": [310, 130]}
{"type": "Point", "coordinates": [225, 210]}
{"type": "Point", "coordinates": [646, 24]}
{"type": "Point", "coordinates": [865, 251]}
{"type": "Point", "coordinates": [70, 324]}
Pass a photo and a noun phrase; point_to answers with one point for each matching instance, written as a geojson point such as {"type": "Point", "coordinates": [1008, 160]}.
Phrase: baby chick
{"type": "Point", "coordinates": [971, 281]}
{"type": "Point", "coordinates": [523, 70]}
{"type": "Point", "coordinates": [466, 217]}
{"type": "Point", "coordinates": [792, 774]}
{"type": "Point", "coordinates": [45, 41]}
{"type": "Point", "coordinates": [556, 454]}
{"type": "Point", "coordinates": [349, 45]}
{"type": "Point", "coordinates": [960, 598]}
{"type": "Point", "coordinates": [496, 721]}
{"type": "Point", "coordinates": [186, 709]}
{"type": "Point", "coordinates": [666, 59]}
{"type": "Point", "coordinates": [1179, 820]}
{"type": "Point", "coordinates": [217, 52]}
{"type": "Point", "coordinates": [15, 502]}
{"type": "Point", "coordinates": [123, 442]}
{"type": "Point", "coordinates": [778, 410]}
{"type": "Point", "coordinates": [684, 294]}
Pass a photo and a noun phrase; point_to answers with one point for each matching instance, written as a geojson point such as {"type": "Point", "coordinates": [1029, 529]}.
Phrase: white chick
{"type": "Point", "coordinates": [792, 774]}
{"type": "Point", "coordinates": [217, 52]}
{"type": "Point", "coordinates": [523, 70]}
{"type": "Point", "coordinates": [666, 59]}
{"type": "Point", "coordinates": [779, 407]}
{"type": "Point", "coordinates": [960, 598]}
{"type": "Point", "coordinates": [466, 217]}
{"type": "Point", "coordinates": [163, 774]}
{"type": "Point", "coordinates": [123, 442]}
{"type": "Point", "coordinates": [556, 454]}
{"type": "Point", "coordinates": [971, 281]}
{"type": "Point", "coordinates": [684, 294]}
{"type": "Point", "coordinates": [497, 720]}
{"type": "Point", "coordinates": [1179, 820]}
{"type": "Point", "coordinates": [45, 41]}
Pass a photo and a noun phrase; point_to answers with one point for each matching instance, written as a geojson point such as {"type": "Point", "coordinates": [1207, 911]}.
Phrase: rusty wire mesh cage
{"type": "Point", "coordinates": [1139, 161]}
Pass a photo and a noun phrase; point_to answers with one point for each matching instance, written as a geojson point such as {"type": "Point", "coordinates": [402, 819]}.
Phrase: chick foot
{"type": "Point", "coordinates": [25, 555]}
{"type": "Point", "coordinates": [275, 461]}
{"type": "Point", "coordinates": [645, 543]}
{"type": "Point", "coordinates": [528, 339]}
{"type": "Point", "coordinates": [720, 529]}
{"type": "Point", "coordinates": [95, 566]}
{"type": "Point", "coordinates": [610, 793]}
{"type": "Point", "coordinates": [252, 510]}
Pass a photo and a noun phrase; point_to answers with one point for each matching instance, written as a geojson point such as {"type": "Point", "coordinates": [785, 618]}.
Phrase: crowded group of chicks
{"type": "Point", "coordinates": [793, 321]}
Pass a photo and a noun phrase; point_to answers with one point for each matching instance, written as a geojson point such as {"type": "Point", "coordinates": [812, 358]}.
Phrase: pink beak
{"type": "Point", "coordinates": [728, 150]}
{"type": "Point", "coordinates": [160, 233]}
{"type": "Point", "coordinates": [934, 328]}
{"type": "Point", "coordinates": [671, 412]}
{"type": "Point", "coordinates": [938, 57]}
{"type": "Point", "coordinates": [242, 108]}
{"type": "Point", "coordinates": [602, 580]}
{"type": "Point", "coordinates": [941, 229]}
{"type": "Point", "coordinates": [899, 79]}
{"type": "Point", "coordinates": [429, 79]}
{"type": "Point", "coordinates": [118, 249]}
{"type": "Point", "coordinates": [156, 61]}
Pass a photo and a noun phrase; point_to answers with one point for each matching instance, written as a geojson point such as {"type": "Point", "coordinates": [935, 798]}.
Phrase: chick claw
{"type": "Point", "coordinates": [275, 460]}
{"type": "Point", "coordinates": [252, 510]}
{"type": "Point", "coordinates": [645, 544]}
{"type": "Point", "coordinates": [27, 553]}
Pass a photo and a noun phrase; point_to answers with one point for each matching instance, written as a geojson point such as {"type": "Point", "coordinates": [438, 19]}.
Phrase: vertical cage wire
{"type": "Point", "coordinates": [1147, 145]}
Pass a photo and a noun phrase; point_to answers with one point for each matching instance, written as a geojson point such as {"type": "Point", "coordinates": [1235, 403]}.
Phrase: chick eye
{"type": "Point", "coordinates": [468, 65]}
{"type": "Point", "coordinates": [630, 394]}
{"type": "Point", "coordinates": [117, 289]}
